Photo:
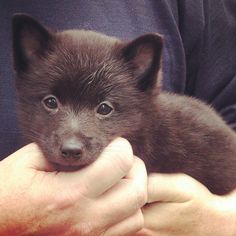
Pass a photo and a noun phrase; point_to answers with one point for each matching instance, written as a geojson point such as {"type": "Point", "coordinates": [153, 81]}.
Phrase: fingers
{"type": "Point", "coordinates": [112, 165]}
{"type": "Point", "coordinates": [129, 226]}
{"type": "Point", "coordinates": [126, 197]}
{"type": "Point", "coordinates": [138, 175]}
{"type": "Point", "coordinates": [138, 165]}
{"type": "Point", "coordinates": [172, 187]}
{"type": "Point", "coordinates": [158, 216]}
{"type": "Point", "coordinates": [30, 156]}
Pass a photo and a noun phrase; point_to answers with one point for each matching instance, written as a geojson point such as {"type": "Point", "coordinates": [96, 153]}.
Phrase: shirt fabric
{"type": "Point", "coordinates": [199, 57]}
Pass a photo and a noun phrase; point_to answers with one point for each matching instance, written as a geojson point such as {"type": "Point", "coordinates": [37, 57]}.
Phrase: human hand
{"type": "Point", "coordinates": [102, 199]}
{"type": "Point", "coordinates": [179, 205]}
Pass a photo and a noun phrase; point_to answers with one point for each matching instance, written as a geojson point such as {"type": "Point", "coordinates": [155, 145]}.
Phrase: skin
{"type": "Point", "coordinates": [37, 200]}
{"type": "Point", "coordinates": [179, 205]}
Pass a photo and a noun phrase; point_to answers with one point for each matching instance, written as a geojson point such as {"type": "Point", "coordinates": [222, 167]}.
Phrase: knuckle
{"type": "Point", "coordinates": [62, 201]}
{"type": "Point", "coordinates": [123, 162]}
{"type": "Point", "coordinates": [139, 221]}
{"type": "Point", "coordinates": [84, 229]}
{"type": "Point", "coordinates": [140, 164]}
{"type": "Point", "coordinates": [122, 154]}
{"type": "Point", "coordinates": [151, 188]}
{"type": "Point", "coordinates": [141, 196]}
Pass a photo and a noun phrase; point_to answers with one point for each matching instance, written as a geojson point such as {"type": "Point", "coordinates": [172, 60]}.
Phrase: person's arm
{"type": "Point", "coordinates": [102, 199]}
{"type": "Point", "coordinates": [178, 205]}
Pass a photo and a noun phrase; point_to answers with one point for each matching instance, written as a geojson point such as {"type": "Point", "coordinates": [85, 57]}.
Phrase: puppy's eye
{"type": "Point", "coordinates": [105, 108]}
{"type": "Point", "coordinates": [50, 102]}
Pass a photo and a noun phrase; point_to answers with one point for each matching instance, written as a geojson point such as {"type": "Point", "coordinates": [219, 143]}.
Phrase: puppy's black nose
{"type": "Point", "coordinates": [72, 149]}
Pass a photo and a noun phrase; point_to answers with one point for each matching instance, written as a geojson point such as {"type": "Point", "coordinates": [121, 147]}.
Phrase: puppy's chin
{"type": "Point", "coordinates": [61, 167]}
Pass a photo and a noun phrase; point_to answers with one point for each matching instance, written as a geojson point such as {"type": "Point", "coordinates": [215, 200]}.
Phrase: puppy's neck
{"type": "Point", "coordinates": [143, 141]}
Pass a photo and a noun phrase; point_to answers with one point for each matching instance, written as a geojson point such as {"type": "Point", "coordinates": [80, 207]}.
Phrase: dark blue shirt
{"type": "Point", "coordinates": [199, 55]}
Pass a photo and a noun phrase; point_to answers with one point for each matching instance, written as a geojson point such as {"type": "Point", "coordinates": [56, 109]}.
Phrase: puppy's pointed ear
{"type": "Point", "coordinates": [31, 41]}
{"type": "Point", "coordinates": [144, 57]}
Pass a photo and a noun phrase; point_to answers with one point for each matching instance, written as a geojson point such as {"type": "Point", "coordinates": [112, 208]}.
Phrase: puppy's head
{"type": "Point", "coordinates": [78, 90]}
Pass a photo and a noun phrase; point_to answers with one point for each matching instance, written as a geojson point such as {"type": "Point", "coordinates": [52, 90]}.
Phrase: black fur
{"type": "Point", "coordinates": [83, 69]}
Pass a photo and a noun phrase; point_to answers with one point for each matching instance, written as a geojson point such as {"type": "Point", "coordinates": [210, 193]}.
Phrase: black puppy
{"type": "Point", "coordinates": [78, 90]}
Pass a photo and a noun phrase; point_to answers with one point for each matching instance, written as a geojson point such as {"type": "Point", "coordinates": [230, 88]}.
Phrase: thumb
{"type": "Point", "coordinates": [30, 156]}
{"type": "Point", "coordinates": [173, 188]}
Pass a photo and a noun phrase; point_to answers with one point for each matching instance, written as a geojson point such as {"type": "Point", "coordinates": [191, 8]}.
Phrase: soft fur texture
{"type": "Point", "coordinates": [84, 69]}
